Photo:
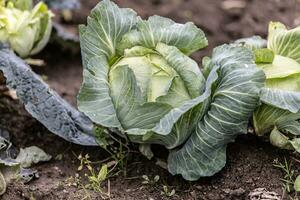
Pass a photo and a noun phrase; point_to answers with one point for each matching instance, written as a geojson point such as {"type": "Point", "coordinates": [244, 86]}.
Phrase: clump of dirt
{"type": "Point", "coordinates": [250, 160]}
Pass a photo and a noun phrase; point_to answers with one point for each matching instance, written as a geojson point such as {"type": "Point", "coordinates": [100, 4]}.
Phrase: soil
{"type": "Point", "coordinates": [250, 159]}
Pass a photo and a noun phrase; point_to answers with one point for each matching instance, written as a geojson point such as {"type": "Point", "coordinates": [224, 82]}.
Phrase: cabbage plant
{"type": "Point", "coordinates": [278, 116]}
{"type": "Point", "coordinates": [27, 29]}
{"type": "Point", "coordinates": [140, 81]}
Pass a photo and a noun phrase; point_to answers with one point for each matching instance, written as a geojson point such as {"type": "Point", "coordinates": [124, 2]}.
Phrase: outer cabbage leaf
{"type": "Point", "coordinates": [186, 37]}
{"type": "Point", "coordinates": [94, 97]}
{"type": "Point", "coordinates": [281, 99]}
{"type": "Point", "coordinates": [106, 25]}
{"type": "Point", "coordinates": [234, 98]}
{"type": "Point", "coordinates": [44, 104]}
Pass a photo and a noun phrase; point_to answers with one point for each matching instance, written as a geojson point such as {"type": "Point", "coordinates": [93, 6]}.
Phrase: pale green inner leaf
{"type": "Point", "coordinates": [177, 94]}
{"type": "Point", "coordinates": [290, 83]}
{"type": "Point", "coordinates": [186, 67]}
{"type": "Point", "coordinates": [131, 110]}
{"type": "Point", "coordinates": [281, 67]}
{"type": "Point", "coordinates": [153, 74]}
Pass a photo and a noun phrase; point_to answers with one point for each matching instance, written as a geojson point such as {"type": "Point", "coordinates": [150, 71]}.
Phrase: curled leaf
{"type": "Point", "coordinates": [32, 155]}
{"type": "Point", "coordinates": [279, 140]}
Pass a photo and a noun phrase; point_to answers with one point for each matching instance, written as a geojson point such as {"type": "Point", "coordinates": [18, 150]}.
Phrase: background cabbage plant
{"type": "Point", "coordinates": [26, 28]}
{"type": "Point", "coordinates": [279, 114]}
{"type": "Point", "coordinates": [140, 80]}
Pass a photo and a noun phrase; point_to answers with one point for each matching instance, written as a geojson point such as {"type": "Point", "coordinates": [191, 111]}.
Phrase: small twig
{"type": "Point", "coordinates": [108, 188]}
{"type": "Point", "coordinates": [35, 62]}
{"type": "Point", "coordinates": [132, 178]}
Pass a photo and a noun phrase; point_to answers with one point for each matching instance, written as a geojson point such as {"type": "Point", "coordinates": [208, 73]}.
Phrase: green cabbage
{"type": "Point", "coordinates": [26, 29]}
{"type": "Point", "coordinates": [140, 80]}
{"type": "Point", "coordinates": [278, 116]}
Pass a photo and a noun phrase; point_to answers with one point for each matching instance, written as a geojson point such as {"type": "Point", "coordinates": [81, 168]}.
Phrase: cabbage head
{"type": "Point", "coordinates": [26, 29]}
{"type": "Point", "coordinates": [139, 80]}
{"type": "Point", "coordinates": [278, 116]}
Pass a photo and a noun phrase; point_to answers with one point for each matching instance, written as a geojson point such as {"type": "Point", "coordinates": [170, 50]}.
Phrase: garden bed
{"type": "Point", "coordinates": [250, 160]}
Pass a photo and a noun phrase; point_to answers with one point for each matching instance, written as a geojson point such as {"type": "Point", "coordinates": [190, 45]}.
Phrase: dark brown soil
{"type": "Point", "coordinates": [250, 160]}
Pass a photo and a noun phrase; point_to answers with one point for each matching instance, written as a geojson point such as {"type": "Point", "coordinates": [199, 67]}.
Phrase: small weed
{"type": "Point", "coordinates": [119, 155]}
{"type": "Point", "coordinates": [92, 180]}
{"type": "Point", "coordinates": [289, 180]}
{"type": "Point", "coordinates": [95, 178]}
{"type": "Point", "coordinates": [149, 181]}
{"type": "Point", "coordinates": [74, 181]}
{"type": "Point", "coordinates": [117, 150]}
{"type": "Point", "coordinates": [112, 166]}
{"type": "Point", "coordinates": [289, 176]}
{"type": "Point", "coordinates": [167, 192]}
